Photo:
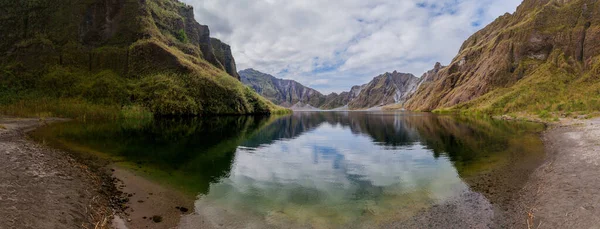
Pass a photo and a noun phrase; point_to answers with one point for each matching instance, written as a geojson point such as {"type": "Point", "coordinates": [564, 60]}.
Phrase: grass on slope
{"type": "Point", "coordinates": [557, 87]}
{"type": "Point", "coordinates": [126, 78]}
{"type": "Point", "coordinates": [74, 93]}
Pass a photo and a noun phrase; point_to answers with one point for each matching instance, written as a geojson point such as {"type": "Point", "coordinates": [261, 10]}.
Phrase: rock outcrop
{"type": "Point", "coordinates": [341, 101]}
{"type": "Point", "coordinates": [386, 89]}
{"type": "Point", "coordinates": [133, 39]}
{"type": "Point", "coordinates": [223, 54]}
{"type": "Point", "coordinates": [542, 57]}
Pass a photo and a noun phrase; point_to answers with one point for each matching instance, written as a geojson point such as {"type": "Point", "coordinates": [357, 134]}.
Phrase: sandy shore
{"type": "Point", "coordinates": [565, 191]}
{"type": "Point", "coordinates": [46, 188]}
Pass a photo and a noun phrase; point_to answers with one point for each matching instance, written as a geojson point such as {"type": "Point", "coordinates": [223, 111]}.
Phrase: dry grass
{"type": "Point", "coordinates": [70, 108]}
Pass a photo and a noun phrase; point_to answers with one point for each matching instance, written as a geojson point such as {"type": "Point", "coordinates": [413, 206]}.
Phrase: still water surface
{"type": "Point", "coordinates": [324, 169]}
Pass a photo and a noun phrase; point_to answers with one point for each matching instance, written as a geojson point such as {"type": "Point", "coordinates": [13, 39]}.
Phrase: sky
{"type": "Point", "coordinates": [331, 45]}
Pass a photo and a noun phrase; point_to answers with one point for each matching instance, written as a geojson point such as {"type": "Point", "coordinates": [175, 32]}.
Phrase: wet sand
{"type": "Point", "coordinates": [148, 199]}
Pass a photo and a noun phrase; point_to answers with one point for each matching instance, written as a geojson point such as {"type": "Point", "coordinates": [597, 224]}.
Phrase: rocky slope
{"type": "Point", "coordinates": [386, 89]}
{"type": "Point", "coordinates": [543, 57]}
{"type": "Point", "coordinates": [286, 93]}
{"type": "Point", "coordinates": [341, 101]}
{"type": "Point", "coordinates": [224, 57]}
{"type": "Point", "coordinates": [152, 52]}
{"type": "Point", "coordinates": [291, 94]}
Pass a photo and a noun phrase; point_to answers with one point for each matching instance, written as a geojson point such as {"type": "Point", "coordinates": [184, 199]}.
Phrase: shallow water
{"type": "Point", "coordinates": [322, 169]}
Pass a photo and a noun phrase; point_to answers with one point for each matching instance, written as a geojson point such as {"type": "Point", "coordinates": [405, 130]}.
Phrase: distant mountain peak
{"type": "Point", "coordinates": [281, 91]}
{"type": "Point", "coordinates": [385, 89]}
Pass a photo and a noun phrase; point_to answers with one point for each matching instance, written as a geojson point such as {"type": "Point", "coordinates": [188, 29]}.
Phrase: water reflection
{"type": "Point", "coordinates": [358, 169]}
{"type": "Point", "coordinates": [318, 169]}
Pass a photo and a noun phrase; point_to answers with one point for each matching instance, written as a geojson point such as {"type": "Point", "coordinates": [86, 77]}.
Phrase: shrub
{"type": "Point", "coordinates": [106, 87]}
{"type": "Point", "coordinates": [164, 94]}
{"type": "Point", "coordinates": [59, 82]}
{"type": "Point", "coordinates": [181, 36]}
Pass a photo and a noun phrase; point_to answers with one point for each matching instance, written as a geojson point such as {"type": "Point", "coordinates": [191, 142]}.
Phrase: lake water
{"type": "Point", "coordinates": [325, 169]}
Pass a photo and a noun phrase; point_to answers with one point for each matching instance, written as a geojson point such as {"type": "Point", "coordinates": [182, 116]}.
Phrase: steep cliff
{"type": "Point", "coordinates": [385, 89]}
{"type": "Point", "coordinates": [148, 52]}
{"type": "Point", "coordinates": [542, 57]}
{"type": "Point", "coordinates": [223, 54]}
{"type": "Point", "coordinates": [285, 93]}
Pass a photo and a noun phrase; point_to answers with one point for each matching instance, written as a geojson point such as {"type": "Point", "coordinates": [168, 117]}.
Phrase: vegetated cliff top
{"type": "Point", "coordinates": [163, 59]}
{"type": "Point", "coordinates": [542, 57]}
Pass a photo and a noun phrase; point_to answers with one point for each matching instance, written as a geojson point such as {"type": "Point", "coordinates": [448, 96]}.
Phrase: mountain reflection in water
{"type": "Point", "coordinates": [323, 169]}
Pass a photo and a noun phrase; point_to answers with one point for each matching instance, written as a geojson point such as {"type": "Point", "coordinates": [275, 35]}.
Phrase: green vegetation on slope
{"type": "Point", "coordinates": [103, 60]}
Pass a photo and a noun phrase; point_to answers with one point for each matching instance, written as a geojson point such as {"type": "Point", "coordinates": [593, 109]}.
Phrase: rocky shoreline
{"type": "Point", "coordinates": [42, 187]}
{"type": "Point", "coordinates": [45, 188]}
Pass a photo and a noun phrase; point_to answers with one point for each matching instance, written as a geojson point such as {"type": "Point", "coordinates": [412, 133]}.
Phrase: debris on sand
{"type": "Point", "coordinates": [157, 218]}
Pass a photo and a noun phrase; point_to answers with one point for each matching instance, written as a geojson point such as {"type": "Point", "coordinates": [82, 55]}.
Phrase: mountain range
{"type": "Point", "coordinates": [543, 58]}
{"type": "Point", "coordinates": [385, 89]}
{"type": "Point", "coordinates": [67, 56]}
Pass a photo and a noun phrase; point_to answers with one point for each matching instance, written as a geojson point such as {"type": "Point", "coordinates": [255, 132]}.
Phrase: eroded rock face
{"type": "Point", "coordinates": [285, 93]}
{"type": "Point", "coordinates": [512, 48]}
{"type": "Point", "coordinates": [68, 32]}
{"type": "Point", "coordinates": [199, 35]}
{"type": "Point", "coordinates": [223, 54]}
{"type": "Point", "coordinates": [386, 89]}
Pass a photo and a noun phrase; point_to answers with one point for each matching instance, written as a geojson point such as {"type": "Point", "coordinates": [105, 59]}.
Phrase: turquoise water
{"type": "Point", "coordinates": [317, 169]}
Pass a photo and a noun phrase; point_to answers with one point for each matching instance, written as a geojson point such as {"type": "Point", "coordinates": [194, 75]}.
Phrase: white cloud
{"type": "Point", "coordinates": [345, 42]}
